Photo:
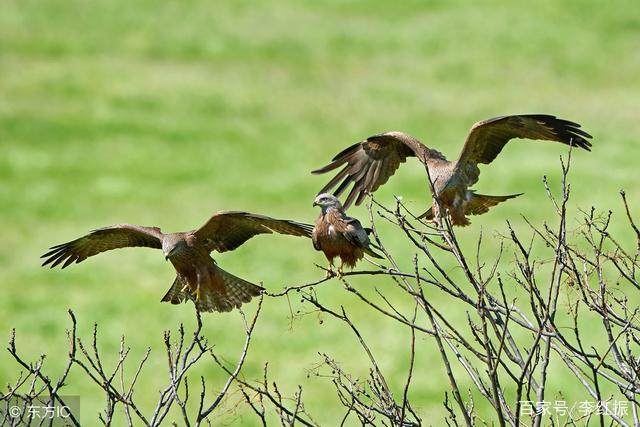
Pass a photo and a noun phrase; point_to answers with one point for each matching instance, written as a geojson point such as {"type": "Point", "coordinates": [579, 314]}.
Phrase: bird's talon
{"type": "Point", "coordinates": [196, 293]}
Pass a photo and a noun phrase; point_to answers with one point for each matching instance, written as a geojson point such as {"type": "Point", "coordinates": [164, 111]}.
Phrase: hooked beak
{"type": "Point", "coordinates": [166, 257]}
{"type": "Point", "coordinates": [315, 204]}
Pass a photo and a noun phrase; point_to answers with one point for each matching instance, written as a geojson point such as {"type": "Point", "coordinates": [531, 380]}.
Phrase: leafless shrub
{"type": "Point", "coordinates": [183, 352]}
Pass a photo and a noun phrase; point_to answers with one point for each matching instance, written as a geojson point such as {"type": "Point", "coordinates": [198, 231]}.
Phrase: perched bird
{"type": "Point", "coordinates": [338, 235]}
{"type": "Point", "coordinates": [370, 163]}
{"type": "Point", "coordinates": [199, 278]}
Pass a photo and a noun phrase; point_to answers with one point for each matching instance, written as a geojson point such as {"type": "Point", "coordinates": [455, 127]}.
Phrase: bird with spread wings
{"type": "Point", "coordinates": [198, 276]}
{"type": "Point", "coordinates": [370, 163]}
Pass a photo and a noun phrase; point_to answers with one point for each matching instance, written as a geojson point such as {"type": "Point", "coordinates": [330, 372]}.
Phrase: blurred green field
{"type": "Point", "coordinates": [160, 113]}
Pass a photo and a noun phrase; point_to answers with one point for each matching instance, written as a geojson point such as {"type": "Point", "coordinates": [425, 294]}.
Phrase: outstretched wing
{"type": "Point", "coordinates": [225, 231]}
{"type": "Point", "coordinates": [101, 240]}
{"type": "Point", "coordinates": [487, 138]}
{"type": "Point", "coordinates": [369, 163]}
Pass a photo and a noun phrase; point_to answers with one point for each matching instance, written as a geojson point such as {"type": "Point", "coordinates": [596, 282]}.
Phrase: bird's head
{"type": "Point", "coordinates": [172, 245]}
{"type": "Point", "coordinates": [327, 201]}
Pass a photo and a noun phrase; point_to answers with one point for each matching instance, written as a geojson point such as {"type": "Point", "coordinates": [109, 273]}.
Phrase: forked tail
{"type": "Point", "coordinates": [220, 291]}
{"type": "Point", "coordinates": [476, 205]}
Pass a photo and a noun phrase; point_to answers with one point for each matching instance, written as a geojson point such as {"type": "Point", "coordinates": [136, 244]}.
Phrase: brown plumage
{"type": "Point", "coordinates": [338, 235]}
{"type": "Point", "coordinates": [369, 164]}
{"type": "Point", "coordinates": [199, 278]}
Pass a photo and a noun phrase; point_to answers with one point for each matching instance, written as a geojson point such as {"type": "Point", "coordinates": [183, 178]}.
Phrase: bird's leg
{"type": "Point", "coordinates": [438, 211]}
{"type": "Point", "coordinates": [185, 287]}
{"type": "Point", "coordinates": [330, 272]}
{"type": "Point", "coordinates": [200, 274]}
{"type": "Point", "coordinates": [340, 272]}
{"type": "Point", "coordinates": [457, 214]}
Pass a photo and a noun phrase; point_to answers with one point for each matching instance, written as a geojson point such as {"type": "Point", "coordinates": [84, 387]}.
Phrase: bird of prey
{"type": "Point", "coordinates": [338, 235]}
{"type": "Point", "coordinates": [370, 163]}
{"type": "Point", "coordinates": [198, 276]}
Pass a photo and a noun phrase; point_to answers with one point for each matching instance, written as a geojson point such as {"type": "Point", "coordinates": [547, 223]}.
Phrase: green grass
{"type": "Point", "coordinates": [115, 111]}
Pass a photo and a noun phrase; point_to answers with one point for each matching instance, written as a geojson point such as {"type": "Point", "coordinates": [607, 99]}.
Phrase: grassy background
{"type": "Point", "coordinates": [117, 111]}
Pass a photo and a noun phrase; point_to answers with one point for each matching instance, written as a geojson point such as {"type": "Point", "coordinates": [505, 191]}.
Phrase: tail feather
{"type": "Point", "coordinates": [238, 291]}
{"type": "Point", "coordinates": [174, 294]}
{"type": "Point", "coordinates": [428, 215]}
{"type": "Point", "coordinates": [370, 252]}
{"type": "Point", "coordinates": [221, 292]}
{"type": "Point", "coordinates": [480, 203]}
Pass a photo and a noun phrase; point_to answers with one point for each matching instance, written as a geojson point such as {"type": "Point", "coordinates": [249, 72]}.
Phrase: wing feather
{"type": "Point", "coordinates": [358, 236]}
{"type": "Point", "coordinates": [101, 240]}
{"type": "Point", "coordinates": [225, 231]}
{"type": "Point", "coordinates": [370, 163]}
{"type": "Point", "coordinates": [335, 180]}
{"type": "Point", "coordinates": [368, 180]}
{"type": "Point", "coordinates": [487, 138]}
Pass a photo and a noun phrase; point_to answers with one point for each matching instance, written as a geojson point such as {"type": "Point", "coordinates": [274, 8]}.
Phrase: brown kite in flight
{"type": "Point", "coordinates": [199, 278]}
{"type": "Point", "coordinates": [338, 235]}
{"type": "Point", "coordinates": [370, 163]}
